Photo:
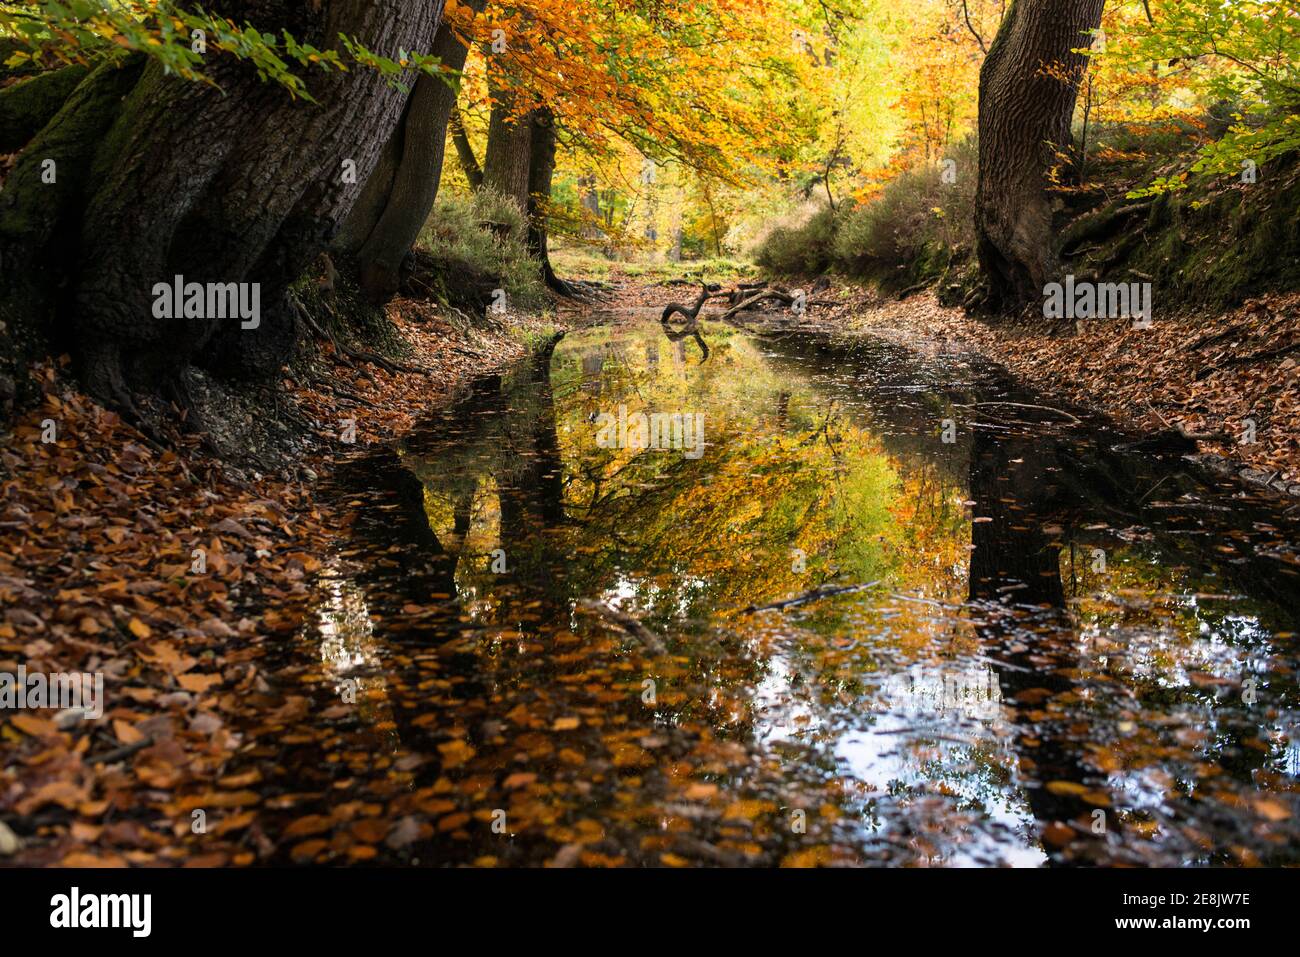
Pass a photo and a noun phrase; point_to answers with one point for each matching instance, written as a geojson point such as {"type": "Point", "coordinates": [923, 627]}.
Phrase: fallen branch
{"type": "Point", "coordinates": [818, 593]}
{"type": "Point", "coordinates": [627, 623]}
{"type": "Point", "coordinates": [1208, 340]}
{"type": "Point", "coordinates": [1247, 360]}
{"type": "Point", "coordinates": [755, 299]}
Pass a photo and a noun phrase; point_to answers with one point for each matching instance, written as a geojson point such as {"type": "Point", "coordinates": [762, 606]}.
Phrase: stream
{"type": "Point", "coordinates": [842, 601]}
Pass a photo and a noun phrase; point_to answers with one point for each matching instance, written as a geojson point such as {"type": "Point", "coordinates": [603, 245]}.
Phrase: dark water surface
{"type": "Point", "coordinates": [1065, 651]}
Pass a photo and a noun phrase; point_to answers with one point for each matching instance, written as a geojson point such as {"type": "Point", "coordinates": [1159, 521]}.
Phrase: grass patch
{"type": "Point", "coordinates": [581, 262]}
{"type": "Point", "coordinates": [475, 244]}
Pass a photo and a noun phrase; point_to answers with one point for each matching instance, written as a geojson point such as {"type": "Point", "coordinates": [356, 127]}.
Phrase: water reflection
{"type": "Point", "coordinates": [1062, 653]}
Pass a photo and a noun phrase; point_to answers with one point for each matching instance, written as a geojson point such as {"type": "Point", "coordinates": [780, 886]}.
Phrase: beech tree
{"type": "Point", "coordinates": [214, 162]}
{"type": "Point", "coordinates": [1028, 86]}
{"type": "Point", "coordinates": [401, 191]}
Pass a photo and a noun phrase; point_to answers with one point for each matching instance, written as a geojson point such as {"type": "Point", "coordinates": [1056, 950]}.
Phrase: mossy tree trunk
{"type": "Point", "coordinates": [158, 177]}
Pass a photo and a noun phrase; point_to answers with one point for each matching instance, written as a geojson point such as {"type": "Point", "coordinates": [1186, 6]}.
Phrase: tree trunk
{"type": "Point", "coordinates": [40, 222]}
{"type": "Point", "coordinates": [1027, 91]}
{"type": "Point", "coordinates": [508, 161]}
{"type": "Point", "coordinates": [236, 183]}
{"type": "Point", "coordinates": [465, 152]}
{"type": "Point", "coordinates": [519, 164]}
{"type": "Point", "coordinates": [541, 171]}
{"type": "Point", "coordinates": [591, 203]}
{"type": "Point", "coordinates": [399, 196]}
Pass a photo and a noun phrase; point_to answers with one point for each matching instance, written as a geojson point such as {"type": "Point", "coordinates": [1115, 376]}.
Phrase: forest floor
{"type": "Point", "coordinates": [101, 572]}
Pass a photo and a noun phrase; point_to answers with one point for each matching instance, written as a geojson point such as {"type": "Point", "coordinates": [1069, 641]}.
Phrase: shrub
{"type": "Point", "coordinates": [481, 240]}
{"type": "Point", "coordinates": [917, 227]}
{"type": "Point", "coordinates": [799, 250]}
{"type": "Point", "coordinates": [913, 231]}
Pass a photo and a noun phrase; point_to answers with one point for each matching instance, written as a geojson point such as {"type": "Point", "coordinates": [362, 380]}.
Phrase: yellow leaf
{"type": "Point", "coordinates": [198, 683]}
{"type": "Point", "coordinates": [455, 753]}
{"type": "Point", "coordinates": [1272, 809]}
{"type": "Point", "coordinates": [1061, 788]}
{"type": "Point", "coordinates": [126, 733]}
{"type": "Point", "coordinates": [818, 856]}
{"type": "Point", "coordinates": [30, 724]}
{"type": "Point", "coordinates": [306, 826]}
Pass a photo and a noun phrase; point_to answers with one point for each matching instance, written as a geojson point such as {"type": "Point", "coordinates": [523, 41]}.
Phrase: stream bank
{"type": "Point", "coordinates": [865, 644]}
{"type": "Point", "coordinates": [1231, 381]}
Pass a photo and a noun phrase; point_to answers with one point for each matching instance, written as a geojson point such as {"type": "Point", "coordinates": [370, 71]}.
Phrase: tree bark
{"type": "Point", "coordinates": [1028, 86]}
{"type": "Point", "coordinates": [409, 173]}
{"type": "Point", "coordinates": [40, 222]}
{"type": "Point", "coordinates": [507, 163]}
{"type": "Point", "coordinates": [541, 171]}
{"type": "Point", "coordinates": [465, 152]}
{"type": "Point", "coordinates": [230, 184]}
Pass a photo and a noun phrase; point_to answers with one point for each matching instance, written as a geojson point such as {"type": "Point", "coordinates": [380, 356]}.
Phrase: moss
{"type": "Point", "coordinates": [1214, 244]}
{"type": "Point", "coordinates": [26, 107]}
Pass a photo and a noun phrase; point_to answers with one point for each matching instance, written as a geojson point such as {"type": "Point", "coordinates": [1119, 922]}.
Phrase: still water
{"type": "Point", "coordinates": [858, 603]}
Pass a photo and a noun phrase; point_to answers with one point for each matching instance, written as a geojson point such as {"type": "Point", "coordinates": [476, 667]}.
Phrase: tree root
{"type": "Point", "coordinates": [346, 353]}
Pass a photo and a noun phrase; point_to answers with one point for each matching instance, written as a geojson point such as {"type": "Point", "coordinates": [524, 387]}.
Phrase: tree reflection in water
{"type": "Point", "coordinates": [1002, 696]}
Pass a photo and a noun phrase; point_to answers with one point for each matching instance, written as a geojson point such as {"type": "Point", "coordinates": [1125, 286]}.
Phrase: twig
{"type": "Point", "coordinates": [969, 26]}
{"type": "Point", "coordinates": [1022, 405]}
{"type": "Point", "coordinates": [117, 754]}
